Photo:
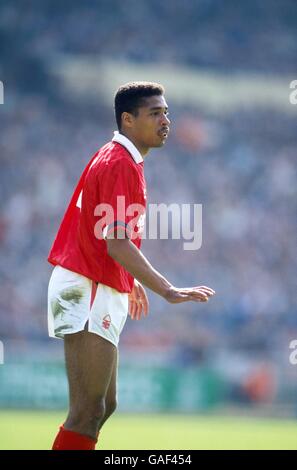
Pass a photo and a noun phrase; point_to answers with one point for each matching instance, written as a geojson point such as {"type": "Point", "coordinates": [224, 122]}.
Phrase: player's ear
{"type": "Point", "coordinates": [127, 119]}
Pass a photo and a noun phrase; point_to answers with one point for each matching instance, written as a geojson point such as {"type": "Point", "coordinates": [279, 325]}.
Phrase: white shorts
{"type": "Point", "coordinates": [74, 300]}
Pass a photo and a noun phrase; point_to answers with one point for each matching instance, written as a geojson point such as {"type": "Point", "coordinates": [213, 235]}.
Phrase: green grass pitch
{"type": "Point", "coordinates": [36, 430]}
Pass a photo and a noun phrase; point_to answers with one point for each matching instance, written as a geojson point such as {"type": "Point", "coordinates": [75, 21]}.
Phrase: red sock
{"type": "Point", "coordinates": [70, 440]}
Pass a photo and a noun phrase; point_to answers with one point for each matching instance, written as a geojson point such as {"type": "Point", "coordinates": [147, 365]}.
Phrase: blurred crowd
{"type": "Point", "coordinates": [259, 35]}
{"type": "Point", "coordinates": [240, 166]}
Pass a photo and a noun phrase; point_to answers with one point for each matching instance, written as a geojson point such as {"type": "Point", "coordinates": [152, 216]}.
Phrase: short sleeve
{"type": "Point", "coordinates": [119, 187]}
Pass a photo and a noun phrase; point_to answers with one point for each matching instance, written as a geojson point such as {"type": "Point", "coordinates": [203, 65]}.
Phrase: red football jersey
{"type": "Point", "coordinates": [111, 193]}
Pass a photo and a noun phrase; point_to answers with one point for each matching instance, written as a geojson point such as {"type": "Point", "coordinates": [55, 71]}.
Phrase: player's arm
{"type": "Point", "coordinates": [130, 257]}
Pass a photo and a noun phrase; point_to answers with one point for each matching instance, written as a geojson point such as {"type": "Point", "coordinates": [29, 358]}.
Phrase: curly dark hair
{"type": "Point", "coordinates": [130, 97]}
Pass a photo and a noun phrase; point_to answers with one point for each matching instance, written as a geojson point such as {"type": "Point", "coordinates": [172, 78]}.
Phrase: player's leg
{"type": "Point", "coordinates": [111, 395]}
{"type": "Point", "coordinates": [90, 361]}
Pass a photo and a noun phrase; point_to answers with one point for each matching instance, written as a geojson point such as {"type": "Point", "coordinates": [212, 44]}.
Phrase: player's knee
{"type": "Point", "coordinates": [88, 411]}
{"type": "Point", "coordinates": [98, 409]}
{"type": "Point", "coordinates": [94, 410]}
{"type": "Point", "coordinates": [110, 407]}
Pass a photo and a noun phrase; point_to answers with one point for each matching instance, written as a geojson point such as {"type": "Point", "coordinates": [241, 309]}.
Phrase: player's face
{"type": "Point", "coordinates": [151, 125]}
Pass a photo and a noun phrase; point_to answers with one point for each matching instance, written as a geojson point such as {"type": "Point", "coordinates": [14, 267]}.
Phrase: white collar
{"type": "Point", "coordinates": [123, 140]}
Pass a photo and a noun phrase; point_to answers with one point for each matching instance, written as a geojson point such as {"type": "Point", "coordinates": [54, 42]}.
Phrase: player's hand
{"type": "Point", "coordinates": [138, 301]}
{"type": "Point", "coordinates": [187, 294]}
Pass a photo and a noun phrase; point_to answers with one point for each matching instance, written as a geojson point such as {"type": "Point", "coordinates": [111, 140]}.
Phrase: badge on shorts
{"type": "Point", "coordinates": [106, 322]}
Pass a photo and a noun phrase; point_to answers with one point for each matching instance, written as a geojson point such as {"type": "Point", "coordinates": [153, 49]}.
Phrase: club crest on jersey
{"type": "Point", "coordinates": [106, 322]}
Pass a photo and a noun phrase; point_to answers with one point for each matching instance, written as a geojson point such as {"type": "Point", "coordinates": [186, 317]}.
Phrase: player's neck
{"type": "Point", "coordinates": [142, 150]}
